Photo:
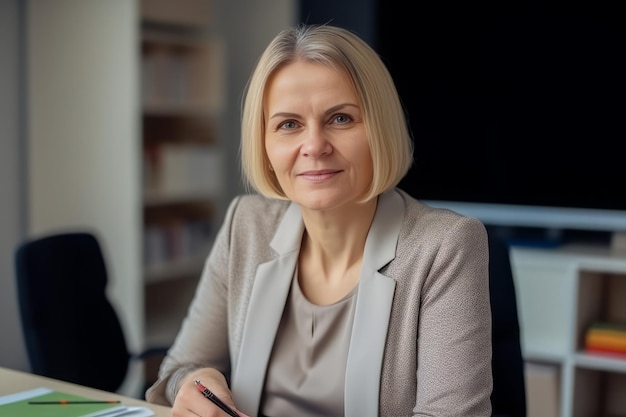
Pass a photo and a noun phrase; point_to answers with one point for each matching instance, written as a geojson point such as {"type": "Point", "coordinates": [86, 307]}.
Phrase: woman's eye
{"type": "Point", "coordinates": [342, 119]}
{"type": "Point", "coordinates": [289, 124]}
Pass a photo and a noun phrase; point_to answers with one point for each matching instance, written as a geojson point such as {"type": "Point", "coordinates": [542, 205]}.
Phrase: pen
{"type": "Point", "coordinates": [213, 398]}
{"type": "Point", "coordinates": [64, 402]}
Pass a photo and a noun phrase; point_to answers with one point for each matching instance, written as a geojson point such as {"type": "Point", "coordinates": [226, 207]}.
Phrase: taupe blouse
{"type": "Point", "coordinates": [306, 372]}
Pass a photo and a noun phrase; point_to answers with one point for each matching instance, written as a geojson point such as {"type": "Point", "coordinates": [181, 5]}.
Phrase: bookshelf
{"type": "Point", "coordinates": [182, 81]}
{"type": "Point", "coordinates": [561, 293]}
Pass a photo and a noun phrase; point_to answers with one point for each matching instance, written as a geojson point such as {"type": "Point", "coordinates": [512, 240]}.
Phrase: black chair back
{"type": "Point", "coordinates": [508, 398]}
{"type": "Point", "coordinates": [70, 328]}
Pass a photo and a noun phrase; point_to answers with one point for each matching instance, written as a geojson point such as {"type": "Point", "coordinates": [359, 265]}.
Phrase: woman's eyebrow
{"type": "Point", "coordinates": [329, 111]}
{"type": "Point", "coordinates": [283, 114]}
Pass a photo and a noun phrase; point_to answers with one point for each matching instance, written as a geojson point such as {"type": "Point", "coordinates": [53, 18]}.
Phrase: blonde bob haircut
{"type": "Point", "coordinates": [384, 118]}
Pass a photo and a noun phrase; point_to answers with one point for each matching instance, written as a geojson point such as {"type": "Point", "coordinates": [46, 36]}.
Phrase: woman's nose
{"type": "Point", "coordinates": [315, 143]}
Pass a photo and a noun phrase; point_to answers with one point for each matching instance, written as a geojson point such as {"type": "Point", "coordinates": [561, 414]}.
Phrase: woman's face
{"type": "Point", "coordinates": [315, 136]}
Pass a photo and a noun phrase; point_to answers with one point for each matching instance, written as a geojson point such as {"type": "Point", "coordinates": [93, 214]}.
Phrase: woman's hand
{"type": "Point", "coordinates": [191, 402]}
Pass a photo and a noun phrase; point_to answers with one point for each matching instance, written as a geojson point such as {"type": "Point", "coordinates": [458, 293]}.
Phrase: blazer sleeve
{"type": "Point", "coordinates": [454, 331]}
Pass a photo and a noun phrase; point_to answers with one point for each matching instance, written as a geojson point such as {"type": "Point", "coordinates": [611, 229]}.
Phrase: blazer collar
{"type": "Point", "coordinates": [373, 308]}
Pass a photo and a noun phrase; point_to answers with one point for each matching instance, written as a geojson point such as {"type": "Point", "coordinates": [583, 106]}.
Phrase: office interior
{"type": "Point", "coordinates": [70, 154]}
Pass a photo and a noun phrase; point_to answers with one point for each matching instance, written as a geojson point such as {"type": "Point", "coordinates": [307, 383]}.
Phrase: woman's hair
{"type": "Point", "coordinates": [384, 118]}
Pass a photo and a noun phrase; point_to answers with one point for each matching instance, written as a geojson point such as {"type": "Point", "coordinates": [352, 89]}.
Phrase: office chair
{"type": "Point", "coordinates": [508, 398]}
{"type": "Point", "coordinates": [70, 328]}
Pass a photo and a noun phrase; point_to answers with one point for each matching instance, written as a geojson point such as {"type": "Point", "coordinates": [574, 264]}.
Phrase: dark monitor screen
{"type": "Point", "coordinates": [515, 107]}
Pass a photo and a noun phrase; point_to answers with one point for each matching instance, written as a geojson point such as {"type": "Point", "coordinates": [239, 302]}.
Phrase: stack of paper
{"type": "Point", "coordinates": [45, 402]}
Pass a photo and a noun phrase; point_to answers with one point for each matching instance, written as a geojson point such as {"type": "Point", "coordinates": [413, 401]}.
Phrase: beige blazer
{"type": "Point", "coordinates": [421, 339]}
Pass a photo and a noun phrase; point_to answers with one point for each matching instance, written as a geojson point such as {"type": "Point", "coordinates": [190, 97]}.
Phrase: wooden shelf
{"type": "Point", "coordinates": [182, 75]}
{"type": "Point", "coordinates": [195, 13]}
{"type": "Point", "coordinates": [166, 306]}
{"type": "Point", "coordinates": [158, 198]}
{"type": "Point", "coordinates": [176, 269]}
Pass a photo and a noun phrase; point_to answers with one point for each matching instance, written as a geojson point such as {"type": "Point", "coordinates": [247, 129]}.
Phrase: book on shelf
{"type": "Point", "coordinates": [183, 170]}
{"type": "Point", "coordinates": [606, 339]}
{"type": "Point", "coordinates": [46, 402]}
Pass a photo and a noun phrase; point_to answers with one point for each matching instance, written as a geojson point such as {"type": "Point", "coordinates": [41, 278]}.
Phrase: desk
{"type": "Point", "coordinates": [12, 381]}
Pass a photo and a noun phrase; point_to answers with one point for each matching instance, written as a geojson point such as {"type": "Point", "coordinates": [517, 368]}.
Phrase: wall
{"type": "Point", "coordinates": [12, 166]}
{"type": "Point", "coordinates": [247, 28]}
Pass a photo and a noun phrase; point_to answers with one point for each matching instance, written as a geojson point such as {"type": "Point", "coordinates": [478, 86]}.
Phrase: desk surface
{"type": "Point", "coordinates": [12, 381]}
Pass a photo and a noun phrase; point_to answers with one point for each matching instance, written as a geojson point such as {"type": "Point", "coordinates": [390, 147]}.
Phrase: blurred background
{"type": "Point", "coordinates": [121, 117]}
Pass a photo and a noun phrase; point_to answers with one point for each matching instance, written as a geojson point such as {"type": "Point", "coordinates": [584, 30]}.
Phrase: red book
{"type": "Point", "coordinates": [606, 351]}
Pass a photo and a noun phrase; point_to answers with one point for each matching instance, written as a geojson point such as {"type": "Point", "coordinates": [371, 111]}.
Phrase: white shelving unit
{"type": "Point", "coordinates": [560, 293]}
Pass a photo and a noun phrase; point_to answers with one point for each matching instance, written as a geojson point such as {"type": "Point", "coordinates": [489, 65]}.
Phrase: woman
{"type": "Point", "coordinates": [330, 291]}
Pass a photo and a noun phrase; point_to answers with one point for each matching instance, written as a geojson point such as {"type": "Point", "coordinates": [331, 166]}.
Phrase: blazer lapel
{"type": "Point", "coordinates": [267, 301]}
{"type": "Point", "coordinates": [373, 308]}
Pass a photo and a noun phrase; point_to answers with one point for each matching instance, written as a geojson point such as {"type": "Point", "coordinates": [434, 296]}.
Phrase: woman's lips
{"type": "Point", "coordinates": [318, 176]}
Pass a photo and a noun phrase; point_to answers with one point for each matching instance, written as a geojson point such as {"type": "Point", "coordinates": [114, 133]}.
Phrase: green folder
{"type": "Point", "coordinates": [18, 405]}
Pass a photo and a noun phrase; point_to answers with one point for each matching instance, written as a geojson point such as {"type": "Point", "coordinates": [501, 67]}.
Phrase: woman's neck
{"type": "Point", "coordinates": [332, 249]}
{"type": "Point", "coordinates": [338, 231]}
